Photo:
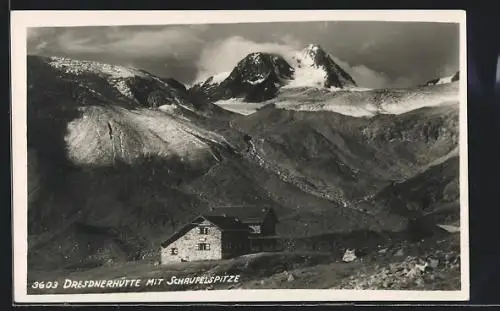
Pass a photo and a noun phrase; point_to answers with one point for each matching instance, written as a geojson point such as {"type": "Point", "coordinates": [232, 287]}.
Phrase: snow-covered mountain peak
{"type": "Point", "coordinates": [312, 51]}
{"type": "Point", "coordinates": [254, 66]}
{"type": "Point", "coordinates": [314, 67]}
{"type": "Point", "coordinates": [313, 47]}
{"type": "Point", "coordinates": [444, 80]}
{"type": "Point", "coordinates": [255, 57]}
{"type": "Point", "coordinates": [256, 77]}
{"type": "Point", "coordinates": [266, 73]}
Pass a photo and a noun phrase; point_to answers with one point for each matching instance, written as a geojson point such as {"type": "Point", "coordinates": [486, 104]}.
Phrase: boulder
{"type": "Point", "coordinates": [433, 263]}
{"type": "Point", "coordinates": [349, 255]}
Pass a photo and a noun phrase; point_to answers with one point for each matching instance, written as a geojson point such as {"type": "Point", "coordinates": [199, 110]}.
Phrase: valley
{"type": "Point", "coordinates": [119, 159]}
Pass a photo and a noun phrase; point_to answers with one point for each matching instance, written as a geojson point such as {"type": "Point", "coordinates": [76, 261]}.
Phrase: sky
{"type": "Point", "coordinates": [377, 54]}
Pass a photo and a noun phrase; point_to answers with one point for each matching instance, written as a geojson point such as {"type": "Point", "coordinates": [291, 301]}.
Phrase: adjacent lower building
{"type": "Point", "coordinates": [221, 233]}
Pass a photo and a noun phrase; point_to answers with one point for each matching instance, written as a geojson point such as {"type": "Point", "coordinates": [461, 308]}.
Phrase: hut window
{"type": "Point", "coordinates": [174, 251]}
{"type": "Point", "coordinates": [203, 230]}
{"type": "Point", "coordinates": [255, 228]}
{"type": "Point", "coordinates": [203, 247]}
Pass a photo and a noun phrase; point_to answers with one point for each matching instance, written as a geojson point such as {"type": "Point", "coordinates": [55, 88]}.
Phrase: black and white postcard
{"type": "Point", "coordinates": [239, 156]}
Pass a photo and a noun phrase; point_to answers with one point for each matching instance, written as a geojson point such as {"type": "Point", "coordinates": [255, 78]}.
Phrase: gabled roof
{"type": "Point", "coordinates": [185, 229]}
{"type": "Point", "coordinates": [243, 213]}
{"type": "Point", "coordinates": [224, 223]}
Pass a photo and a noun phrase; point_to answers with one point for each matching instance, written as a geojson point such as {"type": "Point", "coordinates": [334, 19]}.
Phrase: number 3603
{"type": "Point", "coordinates": [43, 285]}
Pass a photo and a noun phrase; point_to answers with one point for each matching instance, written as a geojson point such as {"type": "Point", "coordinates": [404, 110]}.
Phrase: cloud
{"type": "Point", "coordinates": [195, 52]}
{"type": "Point", "coordinates": [69, 43]}
{"type": "Point", "coordinates": [377, 54]}
{"type": "Point", "coordinates": [35, 33]}
{"type": "Point", "coordinates": [171, 41]}
{"type": "Point", "coordinates": [291, 42]}
{"type": "Point", "coordinates": [369, 78]}
{"type": "Point", "coordinates": [38, 39]}
{"type": "Point", "coordinates": [448, 70]}
{"type": "Point", "coordinates": [42, 45]}
{"type": "Point", "coordinates": [364, 76]}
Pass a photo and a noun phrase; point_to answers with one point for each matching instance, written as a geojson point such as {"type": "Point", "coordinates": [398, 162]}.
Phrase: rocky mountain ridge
{"type": "Point", "coordinates": [259, 76]}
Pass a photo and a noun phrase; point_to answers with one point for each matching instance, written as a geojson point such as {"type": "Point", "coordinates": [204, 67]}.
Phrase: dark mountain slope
{"type": "Point", "coordinates": [111, 213]}
{"type": "Point", "coordinates": [100, 159]}
{"type": "Point", "coordinates": [426, 200]}
{"type": "Point", "coordinates": [434, 192]}
{"type": "Point", "coordinates": [348, 157]}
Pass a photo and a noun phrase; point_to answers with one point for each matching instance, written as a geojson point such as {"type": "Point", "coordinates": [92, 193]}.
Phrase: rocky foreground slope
{"type": "Point", "coordinates": [431, 264]}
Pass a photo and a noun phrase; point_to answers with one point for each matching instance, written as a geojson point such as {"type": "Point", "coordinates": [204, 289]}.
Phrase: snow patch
{"type": "Point", "coordinates": [444, 80]}
{"type": "Point", "coordinates": [210, 81]}
{"type": "Point", "coordinates": [255, 58]}
{"type": "Point", "coordinates": [116, 76]}
{"type": "Point", "coordinates": [78, 67]}
{"type": "Point", "coordinates": [259, 79]}
{"type": "Point", "coordinates": [449, 228]}
{"type": "Point", "coordinates": [239, 106]}
{"type": "Point", "coordinates": [368, 103]}
{"type": "Point", "coordinates": [307, 77]}
{"type": "Point", "coordinates": [312, 47]}
{"type": "Point", "coordinates": [306, 72]}
{"type": "Point", "coordinates": [122, 87]}
{"type": "Point", "coordinates": [354, 111]}
{"type": "Point", "coordinates": [135, 134]}
{"type": "Point", "coordinates": [187, 108]}
{"type": "Point", "coordinates": [168, 108]}
{"type": "Point", "coordinates": [417, 102]}
{"type": "Point", "coordinates": [353, 89]}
